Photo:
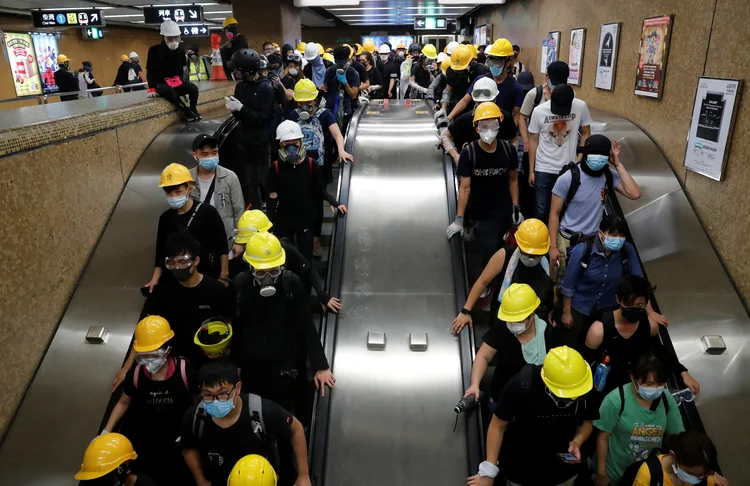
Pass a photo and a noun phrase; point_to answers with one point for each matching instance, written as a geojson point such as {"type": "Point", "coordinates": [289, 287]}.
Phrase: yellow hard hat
{"type": "Point", "coordinates": [305, 90]}
{"type": "Point", "coordinates": [474, 51]}
{"type": "Point", "coordinates": [229, 21]}
{"type": "Point", "coordinates": [447, 62]}
{"type": "Point", "coordinates": [532, 237]}
{"type": "Point", "coordinates": [151, 334]}
{"type": "Point", "coordinates": [519, 301]}
{"type": "Point", "coordinates": [329, 49]}
{"type": "Point", "coordinates": [264, 251]}
{"type": "Point", "coordinates": [301, 46]}
{"type": "Point", "coordinates": [62, 58]}
{"type": "Point", "coordinates": [252, 470]}
{"type": "Point", "coordinates": [174, 175]}
{"type": "Point", "coordinates": [461, 57]}
{"type": "Point", "coordinates": [274, 44]}
{"type": "Point", "coordinates": [124, 57]}
{"type": "Point", "coordinates": [104, 454]}
{"type": "Point", "coordinates": [213, 326]}
{"type": "Point", "coordinates": [329, 57]}
{"type": "Point", "coordinates": [401, 46]}
{"type": "Point", "coordinates": [369, 46]}
{"type": "Point", "coordinates": [321, 49]}
{"type": "Point", "coordinates": [487, 111]}
{"type": "Point", "coordinates": [566, 373]}
{"type": "Point", "coordinates": [359, 49]}
{"type": "Point", "coordinates": [251, 222]}
{"type": "Point", "coordinates": [500, 48]}
{"type": "Point", "coordinates": [429, 51]}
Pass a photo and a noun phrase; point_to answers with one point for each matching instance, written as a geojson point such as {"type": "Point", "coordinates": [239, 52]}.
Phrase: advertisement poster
{"type": "Point", "coordinates": [575, 59]}
{"type": "Point", "coordinates": [652, 56]}
{"type": "Point", "coordinates": [22, 60]}
{"type": "Point", "coordinates": [543, 57]}
{"type": "Point", "coordinates": [45, 46]}
{"type": "Point", "coordinates": [553, 48]}
{"type": "Point", "coordinates": [395, 40]}
{"type": "Point", "coordinates": [714, 112]}
{"type": "Point", "coordinates": [480, 35]}
{"type": "Point", "coordinates": [606, 61]}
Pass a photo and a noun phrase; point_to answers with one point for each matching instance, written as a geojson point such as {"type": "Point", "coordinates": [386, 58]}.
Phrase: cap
{"type": "Point", "coordinates": [558, 72]}
{"type": "Point", "coordinates": [526, 80]}
{"type": "Point", "coordinates": [202, 139]}
{"type": "Point", "coordinates": [562, 100]}
{"type": "Point", "coordinates": [596, 144]}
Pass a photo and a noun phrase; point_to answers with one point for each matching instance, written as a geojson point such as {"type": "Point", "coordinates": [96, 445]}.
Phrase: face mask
{"type": "Point", "coordinates": [153, 365]}
{"type": "Point", "coordinates": [551, 86]}
{"type": "Point", "coordinates": [219, 409]}
{"type": "Point", "coordinates": [488, 136]}
{"type": "Point", "coordinates": [194, 58]}
{"type": "Point", "coordinates": [633, 314]}
{"type": "Point", "coordinates": [181, 274]}
{"type": "Point", "coordinates": [685, 477]}
{"type": "Point", "coordinates": [173, 45]}
{"type": "Point", "coordinates": [209, 163]}
{"type": "Point", "coordinates": [650, 392]}
{"type": "Point", "coordinates": [497, 70]}
{"type": "Point", "coordinates": [401, 55]}
{"type": "Point", "coordinates": [178, 201]}
{"type": "Point", "coordinates": [291, 153]}
{"type": "Point", "coordinates": [293, 72]}
{"type": "Point", "coordinates": [597, 162]}
{"type": "Point", "coordinates": [613, 243]}
{"type": "Point", "coordinates": [276, 72]}
{"type": "Point", "coordinates": [530, 261]}
{"type": "Point", "coordinates": [384, 57]}
{"type": "Point", "coordinates": [430, 67]}
{"type": "Point", "coordinates": [517, 328]}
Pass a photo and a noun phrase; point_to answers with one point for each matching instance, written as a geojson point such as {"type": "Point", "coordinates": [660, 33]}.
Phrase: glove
{"type": "Point", "coordinates": [441, 113]}
{"type": "Point", "coordinates": [341, 78]}
{"type": "Point", "coordinates": [152, 93]}
{"type": "Point", "coordinates": [517, 216]}
{"type": "Point", "coordinates": [444, 122]}
{"type": "Point", "coordinates": [456, 227]}
{"type": "Point", "coordinates": [232, 103]}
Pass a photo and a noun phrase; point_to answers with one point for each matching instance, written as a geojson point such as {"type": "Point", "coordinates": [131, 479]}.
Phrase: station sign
{"type": "Point", "coordinates": [93, 33]}
{"type": "Point", "coordinates": [67, 18]}
{"type": "Point", "coordinates": [182, 14]}
{"type": "Point", "coordinates": [430, 23]}
{"type": "Point", "coordinates": [194, 30]}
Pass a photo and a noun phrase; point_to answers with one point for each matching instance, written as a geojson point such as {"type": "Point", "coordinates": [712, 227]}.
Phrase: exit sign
{"type": "Point", "coordinates": [430, 23]}
{"type": "Point", "coordinates": [93, 33]}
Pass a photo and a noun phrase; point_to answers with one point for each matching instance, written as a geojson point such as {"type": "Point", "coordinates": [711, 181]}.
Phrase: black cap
{"type": "Point", "coordinates": [203, 139]}
{"type": "Point", "coordinates": [596, 144]}
{"type": "Point", "coordinates": [558, 72]}
{"type": "Point", "coordinates": [562, 100]}
{"type": "Point", "coordinates": [526, 80]}
{"type": "Point", "coordinates": [274, 59]}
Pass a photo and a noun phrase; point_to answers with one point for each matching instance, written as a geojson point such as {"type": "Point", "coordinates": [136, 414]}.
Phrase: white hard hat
{"type": "Point", "coordinates": [483, 84]}
{"type": "Point", "coordinates": [288, 130]}
{"type": "Point", "coordinates": [169, 28]}
{"type": "Point", "coordinates": [384, 49]}
{"type": "Point", "coordinates": [133, 55]}
{"type": "Point", "coordinates": [451, 46]}
{"type": "Point", "coordinates": [441, 57]}
{"type": "Point", "coordinates": [311, 51]}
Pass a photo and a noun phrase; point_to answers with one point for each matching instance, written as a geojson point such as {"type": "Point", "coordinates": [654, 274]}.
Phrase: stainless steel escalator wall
{"type": "Point", "coordinates": [391, 418]}
{"type": "Point", "coordinates": [63, 407]}
{"type": "Point", "coordinates": [693, 291]}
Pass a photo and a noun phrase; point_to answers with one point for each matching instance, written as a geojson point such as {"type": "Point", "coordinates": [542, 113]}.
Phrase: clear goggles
{"type": "Point", "coordinates": [482, 93]}
{"type": "Point", "coordinates": [495, 61]}
{"type": "Point", "coordinates": [142, 358]}
{"type": "Point", "coordinates": [488, 125]}
{"type": "Point", "coordinates": [181, 262]}
{"type": "Point", "coordinates": [275, 273]}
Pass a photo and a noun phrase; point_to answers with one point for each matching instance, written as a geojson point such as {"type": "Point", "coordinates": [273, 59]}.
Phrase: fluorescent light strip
{"type": "Point", "coordinates": [122, 16]}
{"type": "Point", "coordinates": [211, 12]}
{"type": "Point", "coordinates": [397, 8]}
{"type": "Point", "coordinates": [389, 15]}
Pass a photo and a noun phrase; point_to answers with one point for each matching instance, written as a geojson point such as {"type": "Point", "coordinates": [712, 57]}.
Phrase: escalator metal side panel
{"type": "Point", "coordinates": [63, 405]}
{"type": "Point", "coordinates": [391, 417]}
{"type": "Point", "coordinates": [693, 291]}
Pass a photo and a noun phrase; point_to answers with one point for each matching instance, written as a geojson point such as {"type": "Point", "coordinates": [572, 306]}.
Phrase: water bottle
{"type": "Point", "coordinates": [600, 377]}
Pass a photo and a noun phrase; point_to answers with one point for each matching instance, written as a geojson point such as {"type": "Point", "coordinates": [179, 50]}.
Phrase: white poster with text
{"type": "Point", "coordinates": [606, 63]}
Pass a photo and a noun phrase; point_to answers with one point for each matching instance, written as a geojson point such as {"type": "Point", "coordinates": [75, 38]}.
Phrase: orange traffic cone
{"type": "Point", "coordinates": [217, 66]}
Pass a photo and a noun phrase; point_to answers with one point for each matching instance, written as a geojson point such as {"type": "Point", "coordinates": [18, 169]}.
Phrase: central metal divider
{"type": "Point", "coordinates": [390, 418]}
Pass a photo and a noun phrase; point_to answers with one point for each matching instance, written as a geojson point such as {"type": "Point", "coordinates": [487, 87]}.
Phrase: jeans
{"type": "Point", "coordinates": [303, 237]}
{"type": "Point", "coordinates": [173, 94]}
{"type": "Point", "coordinates": [253, 173]}
{"type": "Point", "coordinates": [490, 234]}
{"type": "Point", "coordinates": [543, 185]}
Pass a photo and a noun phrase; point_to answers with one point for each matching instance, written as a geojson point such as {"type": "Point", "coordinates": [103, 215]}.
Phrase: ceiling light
{"type": "Point", "coordinates": [463, 2]}
{"type": "Point", "coordinates": [122, 16]}
{"type": "Point", "coordinates": [398, 8]}
{"type": "Point", "coordinates": [324, 3]}
{"type": "Point", "coordinates": [219, 12]}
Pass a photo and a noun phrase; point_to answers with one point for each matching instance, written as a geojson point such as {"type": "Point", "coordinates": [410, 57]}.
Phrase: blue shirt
{"type": "Point", "coordinates": [595, 287]}
{"type": "Point", "coordinates": [509, 92]}
{"type": "Point", "coordinates": [330, 80]}
{"type": "Point", "coordinates": [584, 213]}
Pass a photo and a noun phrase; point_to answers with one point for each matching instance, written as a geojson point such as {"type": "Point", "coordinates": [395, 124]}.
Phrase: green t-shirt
{"type": "Point", "coordinates": [637, 431]}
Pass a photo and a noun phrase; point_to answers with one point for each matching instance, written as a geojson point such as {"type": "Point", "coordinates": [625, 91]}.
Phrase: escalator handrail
{"type": "Point", "coordinates": [319, 426]}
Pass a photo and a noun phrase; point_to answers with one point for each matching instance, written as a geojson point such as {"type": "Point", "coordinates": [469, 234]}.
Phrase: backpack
{"type": "Point", "coordinates": [575, 183]}
{"type": "Point", "coordinates": [506, 150]}
{"type": "Point", "coordinates": [537, 97]}
{"type": "Point", "coordinates": [309, 160]}
{"type": "Point", "coordinates": [132, 76]}
{"type": "Point", "coordinates": [586, 257]}
{"type": "Point", "coordinates": [313, 137]}
{"type": "Point", "coordinates": [183, 373]}
{"type": "Point", "coordinates": [654, 468]}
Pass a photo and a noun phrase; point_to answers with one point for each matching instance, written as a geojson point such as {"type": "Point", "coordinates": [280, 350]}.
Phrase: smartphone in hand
{"type": "Point", "coordinates": [569, 458]}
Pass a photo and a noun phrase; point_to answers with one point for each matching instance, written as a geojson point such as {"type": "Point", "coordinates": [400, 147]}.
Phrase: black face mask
{"type": "Point", "coordinates": [182, 274]}
{"type": "Point", "coordinates": [633, 314]}
{"type": "Point", "coordinates": [232, 29]}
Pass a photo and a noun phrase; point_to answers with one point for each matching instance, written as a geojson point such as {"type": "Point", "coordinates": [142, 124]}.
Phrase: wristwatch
{"type": "Point", "coordinates": [465, 311]}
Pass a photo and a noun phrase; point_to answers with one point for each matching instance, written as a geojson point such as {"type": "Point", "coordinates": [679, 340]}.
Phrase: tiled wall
{"type": "Point", "coordinates": [723, 207]}
{"type": "Point", "coordinates": [57, 198]}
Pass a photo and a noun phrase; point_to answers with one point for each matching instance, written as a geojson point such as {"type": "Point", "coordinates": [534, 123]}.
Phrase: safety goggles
{"type": "Point", "coordinates": [185, 261]}
{"type": "Point", "coordinates": [495, 61]}
{"type": "Point", "coordinates": [561, 402]}
{"type": "Point", "coordinates": [488, 125]}
{"type": "Point", "coordinates": [142, 358]}
{"type": "Point", "coordinates": [481, 93]}
{"type": "Point", "coordinates": [259, 274]}
{"type": "Point", "coordinates": [683, 396]}
{"type": "Point", "coordinates": [222, 397]}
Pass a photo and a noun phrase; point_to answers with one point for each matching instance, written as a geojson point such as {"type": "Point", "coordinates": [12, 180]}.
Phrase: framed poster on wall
{"type": "Point", "coordinates": [22, 60]}
{"type": "Point", "coordinates": [543, 57]}
{"type": "Point", "coordinates": [480, 35]}
{"type": "Point", "coordinates": [714, 113]}
{"type": "Point", "coordinates": [652, 56]}
{"type": "Point", "coordinates": [575, 58]}
{"type": "Point", "coordinates": [45, 47]}
{"type": "Point", "coordinates": [606, 61]}
{"type": "Point", "coordinates": [553, 47]}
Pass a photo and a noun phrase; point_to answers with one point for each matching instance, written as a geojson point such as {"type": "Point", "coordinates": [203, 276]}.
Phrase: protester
{"type": "Point", "coordinates": [235, 42]}
{"type": "Point", "coordinates": [66, 81]}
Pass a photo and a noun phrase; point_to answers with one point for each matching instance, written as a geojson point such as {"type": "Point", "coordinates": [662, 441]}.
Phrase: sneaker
{"type": "Point", "coordinates": [197, 115]}
{"type": "Point", "coordinates": [317, 249]}
{"type": "Point", "coordinates": [190, 116]}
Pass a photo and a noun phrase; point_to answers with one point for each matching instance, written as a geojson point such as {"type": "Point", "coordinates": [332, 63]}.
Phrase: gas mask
{"type": "Point", "coordinates": [306, 111]}
{"type": "Point", "coordinates": [266, 280]}
{"type": "Point", "coordinates": [292, 154]}
{"type": "Point", "coordinates": [231, 32]}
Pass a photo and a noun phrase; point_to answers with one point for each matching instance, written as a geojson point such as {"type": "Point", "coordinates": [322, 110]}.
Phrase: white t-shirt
{"type": "Point", "coordinates": [558, 135]}
{"type": "Point", "coordinates": [205, 185]}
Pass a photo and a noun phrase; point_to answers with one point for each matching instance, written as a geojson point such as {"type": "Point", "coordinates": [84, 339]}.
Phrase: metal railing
{"type": "Point", "coordinates": [43, 99]}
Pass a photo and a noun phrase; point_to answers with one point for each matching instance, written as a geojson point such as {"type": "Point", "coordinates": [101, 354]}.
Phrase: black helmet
{"type": "Point", "coordinates": [263, 62]}
{"type": "Point", "coordinates": [414, 47]}
{"type": "Point", "coordinates": [246, 61]}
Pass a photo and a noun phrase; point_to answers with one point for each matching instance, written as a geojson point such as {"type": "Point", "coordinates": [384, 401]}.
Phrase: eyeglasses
{"type": "Point", "coordinates": [482, 93]}
{"type": "Point", "coordinates": [262, 273]}
{"type": "Point", "coordinates": [222, 397]}
{"type": "Point", "coordinates": [185, 261]}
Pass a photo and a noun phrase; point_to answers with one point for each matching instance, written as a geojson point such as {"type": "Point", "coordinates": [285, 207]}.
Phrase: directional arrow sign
{"type": "Point", "coordinates": [193, 14]}
{"type": "Point", "coordinates": [200, 30]}
{"type": "Point", "coordinates": [419, 22]}
{"type": "Point", "coordinates": [179, 13]}
{"type": "Point", "coordinates": [66, 18]}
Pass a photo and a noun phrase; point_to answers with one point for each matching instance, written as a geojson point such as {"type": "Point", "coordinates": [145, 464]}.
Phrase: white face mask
{"type": "Point", "coordinates": [517, 328]}
{"type": "Point", "coordinates": [173, 45]}
{"type": "Point", "coordinates": [488, 136]}
{"type": "Point", "coordinates": [384, 57]}
{"type": "Point", "coordinates": [530, 261]}
{"type": "Point", "coordinates": [153, 365]}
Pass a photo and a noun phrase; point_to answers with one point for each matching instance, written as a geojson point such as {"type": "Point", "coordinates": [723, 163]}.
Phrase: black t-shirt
{"type": "Point", "coordinates": [289, 82]}
{"type": "Point", "coordinates": [158, 406]}
{"type": "Point", "coordinates": [220, 449]}
{"type": "Point", "coordinates": [186, 308]}
{"type": "Point", "coordinates": [205, 225]}
{"type": "Point", "coordinates": [390, 71]}
{"type": "Point", "coordinates": [490, 187]}
{"type": "Point", "coordinates": [477, 70]}
{"type": "Point", "coordinates": [376, 79]}
{"type": "Point", "coordinates": [538, 431]}
{"type": "Point", "coordinates": [459, 81]}
{"type": "Point", "coordinates": [362, 71]}
{"type": "Point", "coordinates": [421, 75]}
{"type": "Point", "coordinates": [142, 480]}
{"type": "Point", "coordinates": [298, 187]}
{"type": "Point", "coordinates": [463, 130]}
{"type": "Point", "coordinates": [509, 358]}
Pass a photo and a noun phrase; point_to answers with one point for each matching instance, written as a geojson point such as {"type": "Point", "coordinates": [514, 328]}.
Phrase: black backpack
{"type": "Point", "coordinates": [575, 183]}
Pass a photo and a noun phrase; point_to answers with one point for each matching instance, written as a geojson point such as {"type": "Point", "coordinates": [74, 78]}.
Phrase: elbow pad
{"type": "Point", "coordinates": [447, 141]}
